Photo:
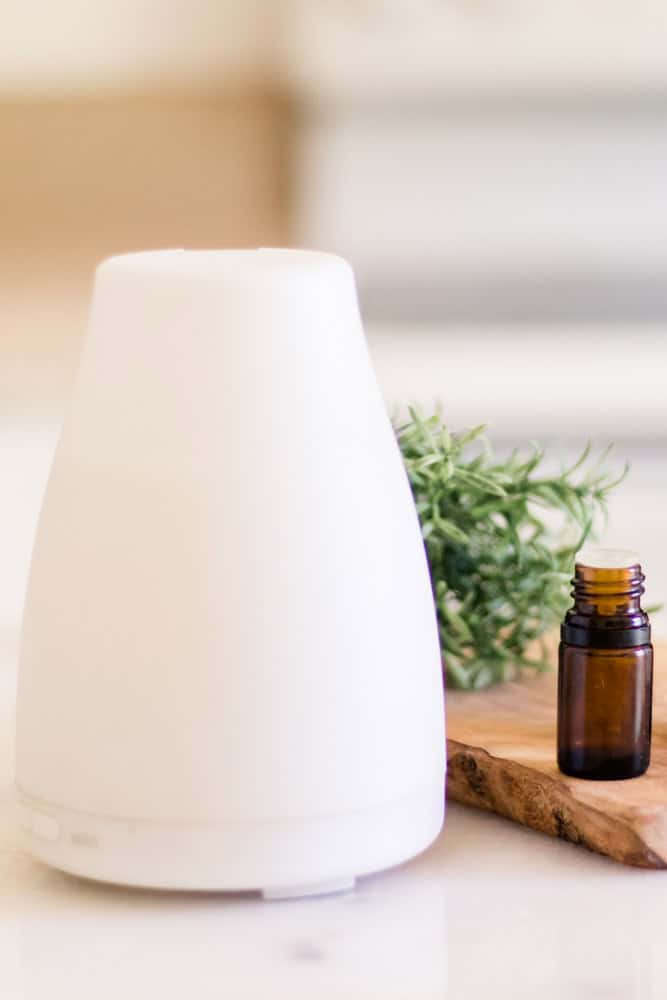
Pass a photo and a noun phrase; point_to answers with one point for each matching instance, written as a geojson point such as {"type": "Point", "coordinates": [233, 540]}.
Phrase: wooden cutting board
{"type": "Point", "coordinates": [501, 755]}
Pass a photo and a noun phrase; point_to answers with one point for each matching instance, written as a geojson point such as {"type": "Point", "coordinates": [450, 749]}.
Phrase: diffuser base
{"type": "Point", "coordinates": [314, 889]}
{"type": "Point", "coordinates": [301, 856]}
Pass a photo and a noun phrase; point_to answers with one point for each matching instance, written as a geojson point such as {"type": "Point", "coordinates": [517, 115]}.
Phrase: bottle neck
{"type": "Point", "coordinates": [607, 592]}
{"type": "Point", "coordinates": [607, 610]}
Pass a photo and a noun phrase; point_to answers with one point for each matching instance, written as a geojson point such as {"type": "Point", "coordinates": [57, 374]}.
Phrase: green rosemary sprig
{"type": "Point", "coordinates": [500, 573]}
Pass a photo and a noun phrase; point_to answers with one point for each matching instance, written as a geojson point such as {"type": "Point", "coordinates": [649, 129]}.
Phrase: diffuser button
{"type": "Point", "coordinates": [45, 827]}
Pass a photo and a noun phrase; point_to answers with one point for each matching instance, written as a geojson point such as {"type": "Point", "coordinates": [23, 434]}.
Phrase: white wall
{"type": "Point", "coordinates": [334, 48]}
{"type": "Point", "coordinates": [62, 46]}
{"type": "Point", "coordinates": [485, 159]}
{"type": "Point", "coordinates": [442, 194]}
{"type": "Point", "coordinates": [393, 49]}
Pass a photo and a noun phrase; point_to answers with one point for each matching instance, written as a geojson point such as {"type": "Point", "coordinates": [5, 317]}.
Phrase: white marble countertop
{"type": "Point", "coordinates": [490, 909]}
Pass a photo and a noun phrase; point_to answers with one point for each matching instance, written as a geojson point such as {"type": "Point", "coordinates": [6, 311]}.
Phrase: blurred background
{"type": "Point", "coordinates": [495, 170]}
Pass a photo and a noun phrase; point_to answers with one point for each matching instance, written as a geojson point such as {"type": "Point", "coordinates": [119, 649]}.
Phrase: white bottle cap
{"type": "Point", "coordinates": [601, 558]}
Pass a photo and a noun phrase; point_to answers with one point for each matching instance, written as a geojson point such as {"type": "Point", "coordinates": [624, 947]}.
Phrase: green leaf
{"type": "Point", "coordinates": [500, 569]}
{"type": "Point", "coordinates": [479, 482]}
{"type": "Point", "coordinates": [448, 529]}
{"type": "Point", "coordinates": [466, 437]}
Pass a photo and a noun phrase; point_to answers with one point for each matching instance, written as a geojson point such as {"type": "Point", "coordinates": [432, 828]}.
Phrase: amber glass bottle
{"type": "Point", "coordinates": [605, 670]}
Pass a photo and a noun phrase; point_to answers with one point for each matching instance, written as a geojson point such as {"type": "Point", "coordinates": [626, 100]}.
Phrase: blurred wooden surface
{"type": "Point", "coordinates": [502, 757]}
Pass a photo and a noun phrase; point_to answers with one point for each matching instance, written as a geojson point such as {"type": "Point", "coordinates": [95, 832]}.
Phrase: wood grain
{"type": "Point", "coordinates": [502, 757]}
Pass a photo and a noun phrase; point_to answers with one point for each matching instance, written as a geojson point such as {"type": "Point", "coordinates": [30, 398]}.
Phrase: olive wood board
{"type": "Point", "coordinates": [501, 756]}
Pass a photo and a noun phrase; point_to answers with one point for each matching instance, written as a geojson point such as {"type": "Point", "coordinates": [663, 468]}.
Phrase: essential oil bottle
{"type": "Point", "coordinates": [605, 670]}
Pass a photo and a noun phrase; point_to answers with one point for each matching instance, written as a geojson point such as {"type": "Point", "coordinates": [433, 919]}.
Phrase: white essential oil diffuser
{"type": "Point", "coordinates": [230, 674]}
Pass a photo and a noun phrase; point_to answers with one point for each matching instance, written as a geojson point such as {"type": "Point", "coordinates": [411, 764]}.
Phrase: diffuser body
{"type": "Point", "coordinates": [230, 673]}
